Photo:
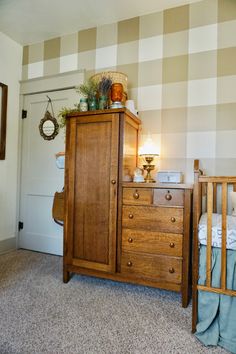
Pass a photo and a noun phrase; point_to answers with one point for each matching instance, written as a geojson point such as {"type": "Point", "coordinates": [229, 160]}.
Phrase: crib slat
{"type": "Point", "coordinates": [224, 232]}
{"type": "Point", "coordinates": [209, 231]}
{"type": "Point", "coordinates": [214, 197]}
{"type": "Point", "coordinates": [217, 290]}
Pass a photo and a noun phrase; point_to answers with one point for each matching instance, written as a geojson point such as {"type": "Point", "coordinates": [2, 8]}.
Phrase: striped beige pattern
{"type": "Point", "coordinates": [181, 73]}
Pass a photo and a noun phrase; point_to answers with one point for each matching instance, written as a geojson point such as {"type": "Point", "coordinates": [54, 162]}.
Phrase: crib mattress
{"type": "Point", "coordinates": [217, 231]}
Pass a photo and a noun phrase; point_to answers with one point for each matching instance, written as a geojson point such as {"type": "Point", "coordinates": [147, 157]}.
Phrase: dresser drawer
{"type": "Point", "coordinates": [137, 196]}
{"type": "Point", "coordinates": [159, 268]}
{"type": "Point", "coordinates": [152, 242]}
{"type": "Point", "coordinates": [153, 218]}
{"type": "Point", "coordinates": [172, 197]}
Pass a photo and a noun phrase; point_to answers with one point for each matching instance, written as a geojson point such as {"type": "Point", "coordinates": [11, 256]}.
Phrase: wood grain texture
{"type": "Point", "coordinates": [127, 278]}
{"type": "Point", "coordinates": [197, 209]}
{"type": "Point", "coordinates": [92, 166]}
{"type": "Point", "coordinates": [158, 185]}
{"type": "Point", "coordinates": [160, 219]}
{"type": "Point", "coordinates": [217, 290]}
{"type": "Point", "coordinates": [116, 111]}
{"type": "Point", "coordinates": [125, 123]}
{"type": "Point", "coordinates": [218, 179]}
{"type": "Point", "coordinates": [163, 268]}
{"type": "Point", "coordinates": [130, 147]}
{"type": "Point", "coordinates": [199, 185]}
{"type": "Point", "coordinates": [209, 232]}
{"type": "Point", "coordinates": [92, 191]}
{"type": "Point", "coordinates": [187, 237]}
{"type": "Point", "coordinates": [93, 184]}
{"type": "Point", "coordinates": [173, 197]}
{"type": "Point", "coordinates": [224, 233]}
{"type": "Point", "coordinates": [152, 242]}
{"type": "Point", "coordinates": [143, 196]}
{"type": "Point", "coordinates": [146, 234]}
{"type": "Point", "coordinates": [214, 197]}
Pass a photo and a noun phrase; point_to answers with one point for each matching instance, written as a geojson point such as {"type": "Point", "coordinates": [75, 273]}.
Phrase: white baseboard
{"type": "Point", "coordinates": [41, 243]}
{"type": "Point", "coordinates": [8, 245]}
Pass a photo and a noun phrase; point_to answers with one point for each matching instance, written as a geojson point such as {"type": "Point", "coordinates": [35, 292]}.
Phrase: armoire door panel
{"type": "Point", "coordinates": [96, 162]}
{"type": "Point", "coordinates": [95, 156]}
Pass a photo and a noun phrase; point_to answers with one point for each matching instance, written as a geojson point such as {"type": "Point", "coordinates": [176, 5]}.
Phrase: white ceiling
{"type": "Point", "coordinates": [31, 21]}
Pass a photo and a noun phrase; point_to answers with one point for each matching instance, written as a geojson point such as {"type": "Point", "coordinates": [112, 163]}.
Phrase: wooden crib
{"type": "Point", "coordinates": [207, 185]}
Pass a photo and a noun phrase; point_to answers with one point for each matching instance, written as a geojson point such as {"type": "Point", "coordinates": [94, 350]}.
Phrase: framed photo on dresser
{"type": "Point", "coordinates": [3, 119]}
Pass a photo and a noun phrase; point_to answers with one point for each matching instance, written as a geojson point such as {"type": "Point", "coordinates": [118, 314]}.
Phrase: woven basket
{"type": "Point", "coordinates": [58, 206]}
{"type": "Point", "coordinates": [116, 76]}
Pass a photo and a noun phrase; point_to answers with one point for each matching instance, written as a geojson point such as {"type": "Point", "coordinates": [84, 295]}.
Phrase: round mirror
{"type": "Point", "coordinates": [48, 127]}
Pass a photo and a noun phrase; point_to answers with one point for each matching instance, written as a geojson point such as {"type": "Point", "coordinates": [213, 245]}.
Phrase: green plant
{"type": "Point", "coordinates": [104, 85]}
{"type": "Point", "coordinates": [64, 112]}
{"type": "Point", "coordinates": [89, 89]}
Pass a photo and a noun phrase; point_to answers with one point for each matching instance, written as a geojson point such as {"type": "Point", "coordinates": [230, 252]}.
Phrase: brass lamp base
{"type": "Point", "coordinates": [148, 178]}
{"type": "Point", "coordinates": [149, 168]}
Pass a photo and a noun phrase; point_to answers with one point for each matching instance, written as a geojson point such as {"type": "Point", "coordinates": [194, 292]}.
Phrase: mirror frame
{"type": "Point", "coordinates": [3, 120]}
{"type": "Point", "coordinates": [48, 117]}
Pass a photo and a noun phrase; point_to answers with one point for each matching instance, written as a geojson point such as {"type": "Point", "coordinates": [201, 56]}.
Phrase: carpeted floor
{"type": "Point", "coordinates": [40, 314]}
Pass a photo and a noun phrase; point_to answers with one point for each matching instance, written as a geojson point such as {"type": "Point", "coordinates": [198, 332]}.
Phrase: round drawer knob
{"type": "Point", "coordinates": [172, 245]}
{"type": "Point", "coordinates": [130, 240]}
{"type": "Point", "coordinates": [173, 219]}
{"type": "Point", "coordinates": [129, 264]}
{"type": "Point", "coordinates": [136, 195]}
{"type": "Point", "coordinates": [131, 216]}
{"type": "Point", "coordinates": [168, 196]}
{"type": "Point", "coordinates": [113, 181]}
{"type": "Point", "coordinates": [171, 270]}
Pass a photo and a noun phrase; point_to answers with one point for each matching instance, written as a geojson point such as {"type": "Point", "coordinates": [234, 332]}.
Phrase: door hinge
{"type": "Point", "coordinates": [20, 225]}
{"type": "Point", "coordinates": [24, 114]}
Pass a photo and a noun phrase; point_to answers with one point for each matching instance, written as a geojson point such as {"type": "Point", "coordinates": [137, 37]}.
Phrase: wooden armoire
{"type": "Point", "coordinates": [132, 232]}
{"type": "Point", "coordinates": [99, 146]}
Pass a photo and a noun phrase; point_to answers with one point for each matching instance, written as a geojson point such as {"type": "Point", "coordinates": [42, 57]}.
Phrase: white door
{"type": "Point", "coordinates": [40, 177]}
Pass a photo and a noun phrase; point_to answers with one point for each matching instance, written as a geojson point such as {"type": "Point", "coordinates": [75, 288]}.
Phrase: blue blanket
{"type": "Point", "coordinates": [217, 313]}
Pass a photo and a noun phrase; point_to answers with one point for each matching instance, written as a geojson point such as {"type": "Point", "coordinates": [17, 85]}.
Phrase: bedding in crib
{"type": "Point", "coordinates": [217, 312]}
{"type": "Point", "coordinates": [217, 231]}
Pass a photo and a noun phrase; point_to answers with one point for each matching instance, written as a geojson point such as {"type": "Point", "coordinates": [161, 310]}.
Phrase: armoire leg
{"type": "Point", "coordinates": [66, 276]}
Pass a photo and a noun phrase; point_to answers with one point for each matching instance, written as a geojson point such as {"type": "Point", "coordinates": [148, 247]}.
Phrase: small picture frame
{"type": "Point", "coordinates": [48, 127]}
{"type": "Point", "coordinates": [3, 119]}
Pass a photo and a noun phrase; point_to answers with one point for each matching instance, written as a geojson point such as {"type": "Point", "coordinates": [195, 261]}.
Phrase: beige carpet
{"type": "Point", "coordinates": [40, 314]}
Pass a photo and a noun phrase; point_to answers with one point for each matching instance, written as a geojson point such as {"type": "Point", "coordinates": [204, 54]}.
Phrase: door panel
{"type": "Point", "coordinates": [40, 177]}
{"type": "Point", "coordinates": [95, 200]}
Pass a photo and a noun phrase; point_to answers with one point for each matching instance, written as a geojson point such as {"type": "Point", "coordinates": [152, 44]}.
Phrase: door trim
{"type": "Point", "coordinates": [45, 84]}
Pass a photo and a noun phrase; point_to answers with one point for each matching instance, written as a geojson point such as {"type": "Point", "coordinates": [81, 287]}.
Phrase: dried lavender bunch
{"type": "Point", "coordinates": [104, 85]}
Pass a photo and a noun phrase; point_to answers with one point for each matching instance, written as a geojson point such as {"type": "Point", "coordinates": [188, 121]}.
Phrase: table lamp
{"type": "Point", "coordinates": [148, 151]}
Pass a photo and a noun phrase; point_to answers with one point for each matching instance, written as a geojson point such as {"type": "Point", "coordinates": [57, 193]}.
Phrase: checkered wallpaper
{"type": "Point", "coordinates": [181, 67]}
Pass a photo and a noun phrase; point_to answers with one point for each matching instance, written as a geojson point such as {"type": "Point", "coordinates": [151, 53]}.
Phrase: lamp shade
{"type": "Point", "coordinates": [148, 148]}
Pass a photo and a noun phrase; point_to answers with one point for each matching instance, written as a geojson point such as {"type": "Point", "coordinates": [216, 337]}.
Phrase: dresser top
{"type": "Point", "coordinates": [105, 111]}
{"type": "Point", "coordinates": [157, 185]}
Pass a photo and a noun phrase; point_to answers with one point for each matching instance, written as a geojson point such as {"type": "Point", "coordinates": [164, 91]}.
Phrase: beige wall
{"type": "Point", "coordinates": [10, 74]}
{"type": "Point", "coordinates": [181, 73]}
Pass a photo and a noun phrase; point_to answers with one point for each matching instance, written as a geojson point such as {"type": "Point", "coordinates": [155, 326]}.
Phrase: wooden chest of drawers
{"type": "Point", "coordinates": [155, 241]}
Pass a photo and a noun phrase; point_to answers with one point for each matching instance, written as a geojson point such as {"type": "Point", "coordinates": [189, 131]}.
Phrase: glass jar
{"type": "Point", "coordinates": [102, 102]}
{"type": "Point", "coordinates": [83, 104]}
{"type": "Point", "coordinates": [92, 103]}
{"type": "Point", "coordinates": [116, 92]}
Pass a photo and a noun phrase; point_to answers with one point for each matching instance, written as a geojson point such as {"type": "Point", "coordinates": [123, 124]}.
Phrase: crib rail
{"type": "Point", "coordinates": [208, 185]}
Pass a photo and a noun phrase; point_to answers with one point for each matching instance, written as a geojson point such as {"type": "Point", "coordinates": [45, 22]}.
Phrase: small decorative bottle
{"type": "Point", "coordinates": [92, 103]}
{"type": "Point", "coordinates": [103, 102]}
{"type": "Point", "coordinates": [83, 105]}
